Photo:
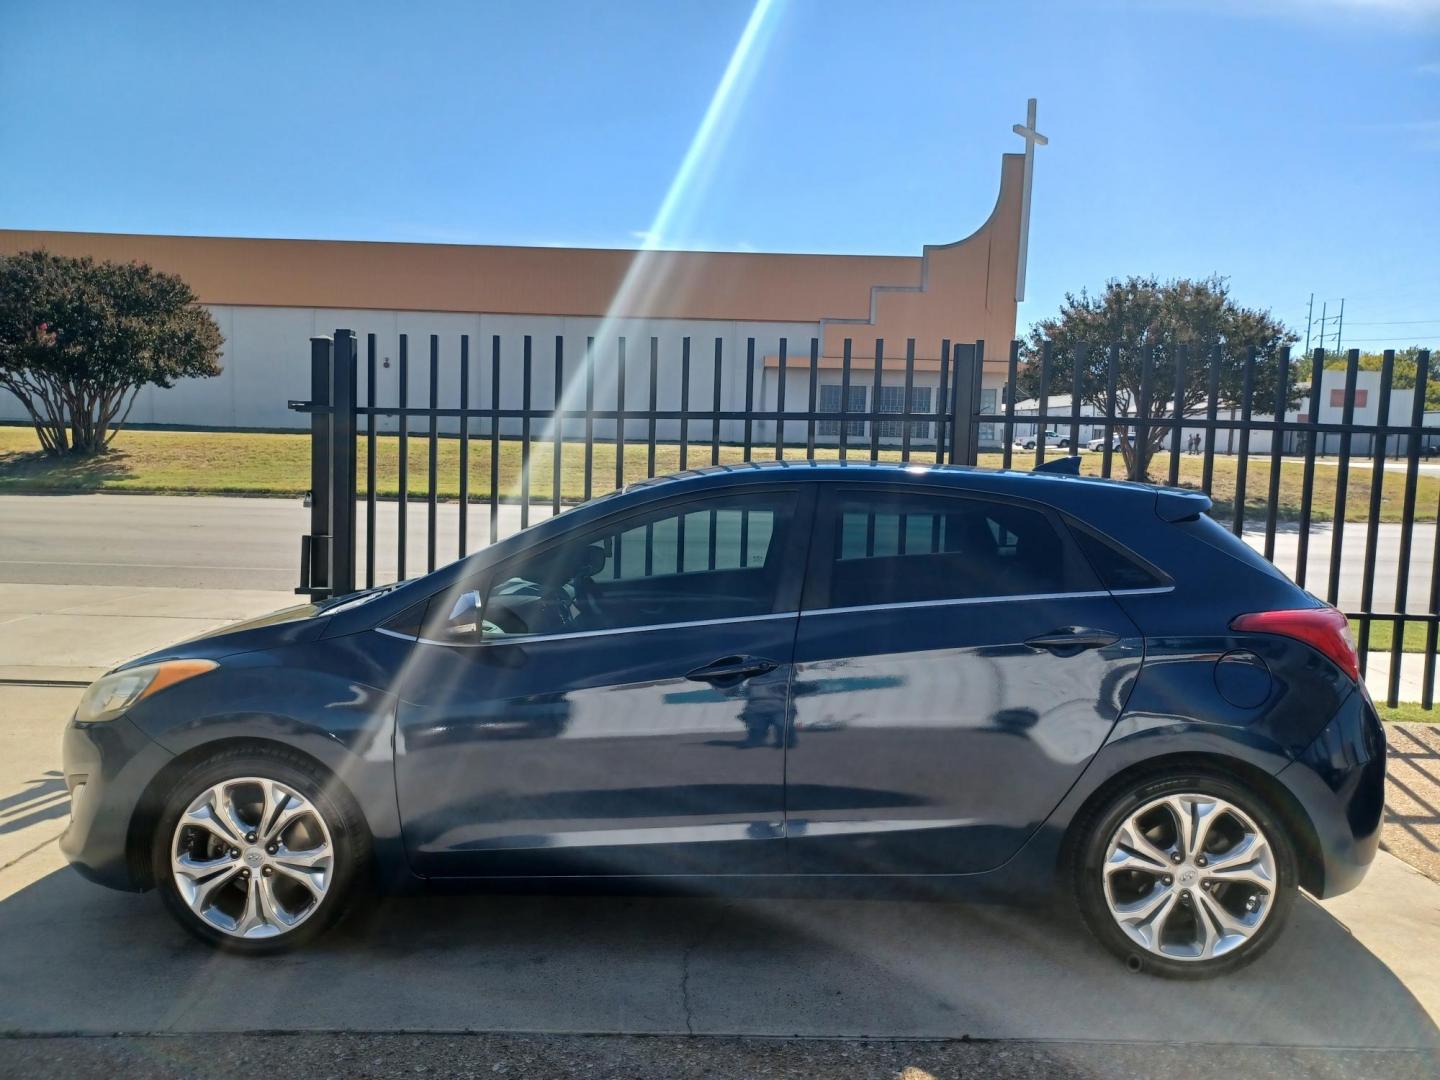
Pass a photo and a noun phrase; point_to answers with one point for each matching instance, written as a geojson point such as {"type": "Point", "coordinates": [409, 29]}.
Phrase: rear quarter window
{"type": "Point", "coordinates": [1209, 531]}
{"type": "Point", "coordinates": [1115, 565]}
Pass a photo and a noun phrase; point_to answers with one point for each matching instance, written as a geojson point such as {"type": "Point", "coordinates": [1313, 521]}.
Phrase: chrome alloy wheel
{"type": "Point", "coordinates": [252, 857]}
{"type": "Point", "coordinates": [1189, 877]}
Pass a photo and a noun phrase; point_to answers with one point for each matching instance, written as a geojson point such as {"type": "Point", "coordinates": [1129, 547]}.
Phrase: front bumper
{"type": "Point", "coordinates": [1339, 780]}
{"type": "Point", "coordinates": [107, 769]}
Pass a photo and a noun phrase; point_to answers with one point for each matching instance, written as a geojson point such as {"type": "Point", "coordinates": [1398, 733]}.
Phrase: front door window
{"type": "Point", "coordinates": [708, 561]}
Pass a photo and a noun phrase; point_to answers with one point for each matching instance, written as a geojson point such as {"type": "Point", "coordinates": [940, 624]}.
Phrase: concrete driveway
{"type": "Point", "coordinates": [92, 961]}
{"type": "Point", "coordinates": [81, 959]}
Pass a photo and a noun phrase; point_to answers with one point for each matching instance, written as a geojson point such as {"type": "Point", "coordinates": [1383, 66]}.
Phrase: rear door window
{"type": "Point", "coordinates": [894, 547]}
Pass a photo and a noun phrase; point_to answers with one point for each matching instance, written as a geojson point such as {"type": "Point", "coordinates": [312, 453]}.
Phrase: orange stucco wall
{"type": "Point", "coordinates": [962, 291]}
{"type": "Point", "coordinates": [496, 280]}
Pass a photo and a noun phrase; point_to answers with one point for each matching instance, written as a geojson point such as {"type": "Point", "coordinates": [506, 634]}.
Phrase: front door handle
{"type": "Point", "coordinates": [732, 667]}
{"type": "Point", "coordinates": [1070, 640]}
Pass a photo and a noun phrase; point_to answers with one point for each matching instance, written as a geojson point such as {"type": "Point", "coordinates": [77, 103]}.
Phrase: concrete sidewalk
{"type": "Point", "coordinates": [75, 633]}
{"type": "Point", "coordinates": [1412, 796]}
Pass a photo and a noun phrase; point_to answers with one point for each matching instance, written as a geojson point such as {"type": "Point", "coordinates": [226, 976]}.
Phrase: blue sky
{"type": "Point", "coordinates": [1292, 145]}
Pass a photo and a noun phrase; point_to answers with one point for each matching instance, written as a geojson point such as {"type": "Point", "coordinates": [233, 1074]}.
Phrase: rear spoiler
{"type": "Point", "coordinates": [1172, 504]}
{"type": "Point", "coordinates": [1065, 466]}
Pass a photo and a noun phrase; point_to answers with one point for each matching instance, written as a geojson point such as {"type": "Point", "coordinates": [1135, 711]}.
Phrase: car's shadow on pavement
{"type": "Point", "coordinates": [78, 958]}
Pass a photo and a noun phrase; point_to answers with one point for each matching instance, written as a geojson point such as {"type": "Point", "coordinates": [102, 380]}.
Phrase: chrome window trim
{"type": "Point", "coordinates": [967, 601]}
{"type": "Point", "coordinates": [956, 602]}
{"type": "Point", "coordinates": [525, 639]}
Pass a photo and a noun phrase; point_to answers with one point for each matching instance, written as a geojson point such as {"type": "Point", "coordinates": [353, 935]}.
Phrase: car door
{"type": "Point", "coordinates": [612, 702]}
{"type": "Point", "coordinates": [956, 666]}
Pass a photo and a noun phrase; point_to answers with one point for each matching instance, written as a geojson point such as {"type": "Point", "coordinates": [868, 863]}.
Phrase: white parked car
{"type": "Point", "coordinates": [1052, 438]}
{"type": "Point", "coordinates": [1097, 445]}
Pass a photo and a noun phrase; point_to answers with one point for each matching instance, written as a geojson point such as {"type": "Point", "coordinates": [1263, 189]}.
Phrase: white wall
{"type": "Point", "coordinates": [266, 363]}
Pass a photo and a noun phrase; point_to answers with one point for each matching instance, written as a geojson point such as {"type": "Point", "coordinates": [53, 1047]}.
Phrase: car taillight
{"type": "Point", "coordinates": [1322, 628]}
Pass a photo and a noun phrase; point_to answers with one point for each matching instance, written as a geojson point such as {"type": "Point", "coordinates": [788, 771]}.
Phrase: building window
{"type": "Point", "coordinates": [1337, 398]}
{"type": "Point", "coordinates": [830, 402]}
{"type": "Point", "coordinates": [892, 400]}
{"type": "Point", "coordinates": [988, 435]}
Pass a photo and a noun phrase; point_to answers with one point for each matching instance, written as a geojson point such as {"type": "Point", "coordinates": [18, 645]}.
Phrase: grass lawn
{"type": "Point", "coordinates": [1383, 633]}
{"type": "Point", "coordinates": [1408, 713]}
{"type": "Point", "coordinates": [279, 464]}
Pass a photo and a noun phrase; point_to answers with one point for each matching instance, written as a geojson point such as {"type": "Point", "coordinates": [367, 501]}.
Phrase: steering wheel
{"type": "Point", "coordinates": [585, 596]}
{"type": "Point", "coordinates": [557, 600]}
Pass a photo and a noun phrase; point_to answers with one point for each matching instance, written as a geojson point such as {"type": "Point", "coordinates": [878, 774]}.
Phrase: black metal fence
{"type": "Point", "coordinates": [1322, 479]}
{"type": "Point", "coordinates": [562, 409]}
{"type": "Point", "coordinates": [518, 428]}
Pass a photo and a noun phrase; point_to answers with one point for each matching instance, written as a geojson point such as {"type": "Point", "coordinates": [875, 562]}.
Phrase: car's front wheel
{"type": "Point", "coordinates": [256, 851]}
{"type": "Point", "coordinates": [1190, 876]}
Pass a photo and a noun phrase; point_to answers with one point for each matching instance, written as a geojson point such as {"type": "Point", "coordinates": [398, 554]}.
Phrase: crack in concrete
{"type": "Point", "coordinates": [26, 854]}
{"type": "Point", "coordinates": [701, 939]}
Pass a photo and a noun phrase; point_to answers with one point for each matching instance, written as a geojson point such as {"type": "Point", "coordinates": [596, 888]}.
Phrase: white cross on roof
{"type": "Point", "coordinates": [1032, 138]}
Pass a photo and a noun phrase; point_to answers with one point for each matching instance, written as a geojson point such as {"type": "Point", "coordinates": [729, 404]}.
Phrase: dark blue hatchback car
{"type": "Point", "coordinates": [835, 674]}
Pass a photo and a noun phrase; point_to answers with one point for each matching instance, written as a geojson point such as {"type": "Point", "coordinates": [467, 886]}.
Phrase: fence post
{"type": "Point", "coordinates": [317, 544]}
{"type": "Point", "coordinates": [965, 402]}
{"type": "Point", "coordinates": [343, 450]}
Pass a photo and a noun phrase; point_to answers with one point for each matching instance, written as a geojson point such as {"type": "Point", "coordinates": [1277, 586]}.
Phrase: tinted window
{"type": "Point", "coordinates": [708, 559]}
{"type": "Point", "coordinates": [892, 548]}
{"type": "Point", "coordinates": [1116, 567]}
{"type": "Point", "coordinates": [697, 541]}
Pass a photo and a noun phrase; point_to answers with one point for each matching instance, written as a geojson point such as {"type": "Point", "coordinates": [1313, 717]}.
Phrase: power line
{"type": "Point", "coordinates": [1396, 322]}
{"type": "Point", "coordinates": [1411, 340]}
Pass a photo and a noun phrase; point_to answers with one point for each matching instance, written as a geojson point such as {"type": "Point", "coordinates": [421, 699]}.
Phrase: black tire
{"type": "Point", "coordinates": [349, 839]}
{"type": "Point", "coordinates": [1092, 841]}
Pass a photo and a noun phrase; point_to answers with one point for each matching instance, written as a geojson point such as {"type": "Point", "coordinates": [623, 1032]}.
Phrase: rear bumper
{"type": "Point", "coordinates": [107, 768]}
{"type": "Point", "coordinates": [1339, 780]}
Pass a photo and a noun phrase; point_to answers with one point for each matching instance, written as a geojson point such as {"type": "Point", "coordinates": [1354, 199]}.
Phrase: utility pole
{"type": "Point", "coordinates": [1309, 319]}
{"type": "Point", "coordinates": [1323, 308]}
{"type": "Point", "coordinates": [1340, 326]}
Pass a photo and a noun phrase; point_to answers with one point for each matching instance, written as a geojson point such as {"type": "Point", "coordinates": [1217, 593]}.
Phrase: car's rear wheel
{"type": "Point", "coordinates": [257, 852]}
{"type": "Point", "coordinates": [1190, 876]}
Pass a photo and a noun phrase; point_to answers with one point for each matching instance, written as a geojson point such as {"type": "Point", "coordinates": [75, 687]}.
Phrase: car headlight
{"type": "Point", "coordinates": [112, 694]}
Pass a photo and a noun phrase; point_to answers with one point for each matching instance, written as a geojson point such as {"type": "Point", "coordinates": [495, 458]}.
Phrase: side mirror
{"type": "Point", "coordinates": [465, 615]}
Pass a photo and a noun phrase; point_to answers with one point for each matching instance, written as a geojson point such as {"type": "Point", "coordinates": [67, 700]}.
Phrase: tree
{"type": "Point", "coordinates": [1142, 317]}
{"type": "Point", "coordinates": [78, 340]}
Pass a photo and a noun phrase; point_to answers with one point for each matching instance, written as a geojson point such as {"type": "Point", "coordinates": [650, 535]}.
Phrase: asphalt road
{"type": "Point", "coordinates": [360, 1056]}
{"type": "Point", "coordinates": [203, 541]}
{"type": "Point", "coordinates": [235, 543]}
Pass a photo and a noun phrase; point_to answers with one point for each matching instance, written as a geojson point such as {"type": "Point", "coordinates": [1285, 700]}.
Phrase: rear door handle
{"type": "Point", "coordinates": [1072, 639]}
{"type": "Point", "coordinates": [733, 667]}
